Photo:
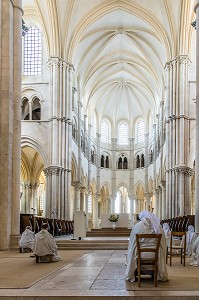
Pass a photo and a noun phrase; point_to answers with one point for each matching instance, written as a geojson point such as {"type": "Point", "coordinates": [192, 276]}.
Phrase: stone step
{"type": "Point", "coordinates": [109, 232]}
{"type": "Point", "coordinates": [92, 245]}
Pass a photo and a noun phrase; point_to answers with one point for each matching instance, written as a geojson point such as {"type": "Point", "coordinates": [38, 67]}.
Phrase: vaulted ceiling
{"type": "Point", "coordinates": [118, 49]}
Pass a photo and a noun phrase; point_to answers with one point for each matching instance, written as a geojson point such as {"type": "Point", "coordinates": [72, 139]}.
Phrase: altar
{"type": "Point", "coordinates": [122, 221]}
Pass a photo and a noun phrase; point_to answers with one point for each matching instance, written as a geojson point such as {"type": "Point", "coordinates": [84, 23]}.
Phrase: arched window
{"type": "Point", "coordinates": [138, 161]}
{"type": "Point", "coordinates": [82, 142]}
{"type": "Point", "coordinates": [140, 131]}
{"type": "Point", "coordinates": [31, 110]}
{"type": "Point", "coordinates": [74, 129]}
{"type": "Point", "coordinates": [36, 110]}
{"type": "Point", "coordinates": [125, 164]}
{"type": "Point", "coordinates": [25, 110]}
{"type": "Point", "coordinates": [105, 132]}
{"type": "Point", "coordinates": [102, 161]}
{"type": "Point", "coordinates": [123, 134]}
{"type": "Point", "coordinates": [32, 52]}
{"type": "Point", "coordinates": [142, 160]}
{"type": "Point", "coordinates": [120, 163]}
{"type": "Point", "coordinates": [151, 156]}
{"type": "Point", "coordinates": [93, 154]}
{"type": "Point", "coordinates": [107, 162]}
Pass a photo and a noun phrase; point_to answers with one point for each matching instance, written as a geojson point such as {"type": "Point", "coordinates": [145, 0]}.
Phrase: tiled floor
{"type": "Point", "coordinates": [98, 275]}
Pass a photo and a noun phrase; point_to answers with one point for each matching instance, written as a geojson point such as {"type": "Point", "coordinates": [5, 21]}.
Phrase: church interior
{"type": "Point", "coordinates": [99, 113]}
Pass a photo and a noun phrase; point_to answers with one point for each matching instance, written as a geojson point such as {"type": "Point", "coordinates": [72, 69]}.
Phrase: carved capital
{"type": "Point", "coordinates": [53, 170]}
{"type": "Point", "coordinates": [53, 61]}
{"type": "Point", "coordinates": [185, 170]}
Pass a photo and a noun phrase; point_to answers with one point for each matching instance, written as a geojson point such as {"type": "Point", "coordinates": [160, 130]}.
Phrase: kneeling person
{"type": "Point", "coordinates": [44, 244]}
{"type": "Point", "coordinates": [27, 238]}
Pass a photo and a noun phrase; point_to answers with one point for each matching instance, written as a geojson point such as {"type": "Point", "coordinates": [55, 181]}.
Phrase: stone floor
{"type": "Point", "coordinates": [98, 275]}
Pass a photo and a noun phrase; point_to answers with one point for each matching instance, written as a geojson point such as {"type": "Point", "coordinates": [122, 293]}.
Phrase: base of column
{"type": "Point", "coordinates": [14, 241]}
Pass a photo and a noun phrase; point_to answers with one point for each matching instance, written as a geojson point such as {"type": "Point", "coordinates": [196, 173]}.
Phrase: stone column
{"type": "Point", "coordinates": [156, 202]}
{"type": "Point", "coordinates": [113, 174]}
{"type": "Point", "coordinates": [10, 121]}
{"type": "Point", "coordinates": [146, 177]}
{"type": "Point", "coordinates": [177, 125]}
{"type": "Point", "coordinates": [163, 201]}
{"type": "Point", "coordinates": [137, 206]}
{"type": "Point", "coordinates": [53, 175]}
{"type": "Point", "coordinates": [35, 196]}
{"type": "Point", "coordinates": [197, 123]}
{"type": "Point", "coordinates": [68, 73]}
{"type": "Point", "coordinates": [160, 203]}
{"type": "Point", "coordinates": [30, 109]}
{"type": "Point", "coordinates": [77, 187]}
{"type": "Point", "coordinates": [95, 211]}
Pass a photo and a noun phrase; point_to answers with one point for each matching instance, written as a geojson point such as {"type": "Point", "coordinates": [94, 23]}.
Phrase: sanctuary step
{"type": "Point", "coordinates": [92, 244]}
{"type": "Point", "coordinates": [109, 232]}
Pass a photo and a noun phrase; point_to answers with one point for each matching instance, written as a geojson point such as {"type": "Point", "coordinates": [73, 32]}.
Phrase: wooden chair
{"type": "Point", "coordinates": [177, 246]}
{"type": "Point", "coordinates": [148, 254]}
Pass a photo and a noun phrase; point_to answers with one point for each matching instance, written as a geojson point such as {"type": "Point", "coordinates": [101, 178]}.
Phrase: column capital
{"type": "Point", "coordinates": [53, 61]}
{"type": "Point", "coordinates": [181, 59]}
{"type": "Point", "coordinates": [53, 170]}
{"type": "Point", "coordinates": [183, 169]}
{"type": "Point", "coordinates": [77, 184]}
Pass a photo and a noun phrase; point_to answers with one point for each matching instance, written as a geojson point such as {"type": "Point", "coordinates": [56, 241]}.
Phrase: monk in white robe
{"type": "Point", "coordinates": [149, 224]}
{"type": "Point", "coordinates": [44, 244]}
{"type": "Point", "coordinates": [195, 253]}
{"type": "Point", "coordinates": [190, 238]}
{"type": "Point", "coordinates": [27, 238]}
{"type": "Point", "coordinates": [167, 233]}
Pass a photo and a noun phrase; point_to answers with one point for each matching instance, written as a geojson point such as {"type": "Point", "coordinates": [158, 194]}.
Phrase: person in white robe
{"type": "Point", "coordinates": [190, 238]}
{"type": "Point", "coordinates": [167, 233]}
{"type": "Point", "coordinates": [27, 238]}
{"type": "Point", "coordinates": [195, 253]}
{"type": "Point", "coordinates": [44, 244]}
{"type": "Point", "coordinates": [149, 224]}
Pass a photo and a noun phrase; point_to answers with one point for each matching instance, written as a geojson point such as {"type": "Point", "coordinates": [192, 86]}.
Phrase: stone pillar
{"type": "Point", "coordinates": [53, 175]}
{"type": "Point", "coordinates": [95, 211]}
{"type": "Point", "coordinates": [177, 125]}
{"type": "Point", "coordinates": [30, 109]}
{"type": "Point", "coordinates": [146, 177]}
{"type": "Point", "coordinates": [60, 138]}
{"type": "Point", "coordinates": [160, 203]}
{"type": "Point", "coordinates": [10, 121]}
{"type": "Point", "coordinates": [113, 174]}
{"type": "Point", "coordinates": [77, 187]}
{"type": "Point", "coordinates": [68, 71]}
{"type": "Point", "coordinates": [197, 123]}
{"type": "Point", "coordinates": [163, 200]}
{"type": "Point", "coordinates": [137, 206]}
{"type": "Point", "coordinates": [35, 196]}
{"type": "Point", "coordinates": [156, 202]}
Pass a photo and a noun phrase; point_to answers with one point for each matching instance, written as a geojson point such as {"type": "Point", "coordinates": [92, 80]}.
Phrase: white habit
{"type": "Point", "coordinates": [27, 239]}
{"type": "Point", "coordinates": [195, 254]}
{"type": "Point", "coordinates": [190, 238]}
{"type": "Point", "coordinates": [44, 244]}
{"type": "Point", "coordinates": [145, 226]}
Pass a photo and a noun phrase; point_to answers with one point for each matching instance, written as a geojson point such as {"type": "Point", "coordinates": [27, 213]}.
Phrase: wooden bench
{"type": "Point", "coordinates": [46, 258]}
